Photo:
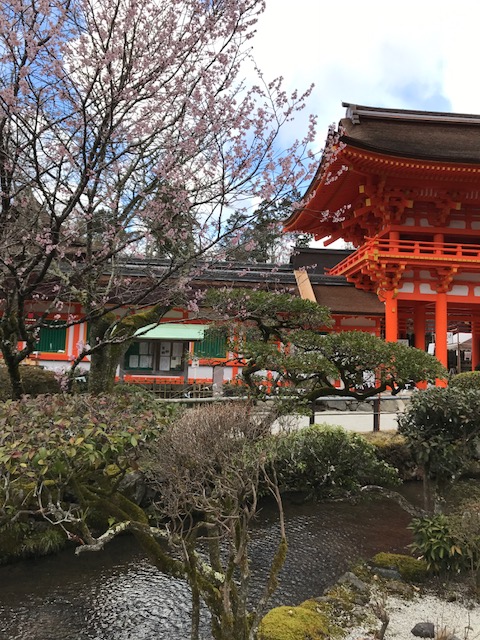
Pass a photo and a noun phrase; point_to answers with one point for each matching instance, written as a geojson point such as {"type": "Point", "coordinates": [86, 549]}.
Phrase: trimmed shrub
{"type": "Point", "coordinates": [36, 381]}
{"type": "Point", "coordinates": [323, 460]}
{"type": "Point", "coordinates": [442, 430]}
{"type": "Point", "coordinates": [469, 380]}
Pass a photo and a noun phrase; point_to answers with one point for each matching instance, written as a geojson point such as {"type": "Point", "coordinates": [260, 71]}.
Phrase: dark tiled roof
{"type": "Point", "coordinates": [237, 273]}
{"type": "Point", "coordinates": [318, 259]}
{"type": "Point", "coordinates": [426, 135]}
{"type": "Point", "coordinates": [348, 300]}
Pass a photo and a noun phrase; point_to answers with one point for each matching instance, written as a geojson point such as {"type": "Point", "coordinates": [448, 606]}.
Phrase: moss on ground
{"type": "Point", "coordinates": [305, 622]}
{"type": "Point", "coordinates": [411, 569]}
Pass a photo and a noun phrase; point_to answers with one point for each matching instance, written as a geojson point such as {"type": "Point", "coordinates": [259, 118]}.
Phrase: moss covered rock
{"type": "Point", "coordinates": [305, 622]}
{"type": "Point", "coordinates": [411, 569]}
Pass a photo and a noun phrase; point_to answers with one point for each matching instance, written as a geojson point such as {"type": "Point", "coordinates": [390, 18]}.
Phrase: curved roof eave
{"type": "Point", "coordinates": [353, 142]}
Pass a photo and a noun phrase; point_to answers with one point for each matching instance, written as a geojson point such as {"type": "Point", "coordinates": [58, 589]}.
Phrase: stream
{"type": "Point", "coordinates": [117, 595]}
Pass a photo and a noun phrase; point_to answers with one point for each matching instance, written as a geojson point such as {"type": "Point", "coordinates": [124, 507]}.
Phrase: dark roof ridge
{"type": "Point", "coordinates": [354, 112]}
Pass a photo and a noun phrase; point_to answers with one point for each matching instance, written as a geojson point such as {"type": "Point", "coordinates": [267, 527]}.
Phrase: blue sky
{"type": "Point", "coordinates": [421, 54]}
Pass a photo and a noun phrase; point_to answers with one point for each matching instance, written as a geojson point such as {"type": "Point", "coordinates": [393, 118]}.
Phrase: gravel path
{"type": "Point", "coordinates": [457, 618]}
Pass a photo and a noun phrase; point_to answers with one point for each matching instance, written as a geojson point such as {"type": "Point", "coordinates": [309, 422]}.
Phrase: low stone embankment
{"type": "Point", "coordinates": [392, 598]}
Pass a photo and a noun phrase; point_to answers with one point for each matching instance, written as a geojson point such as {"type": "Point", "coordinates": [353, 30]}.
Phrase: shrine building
{"type": "Point", "coordinates": [403, 187]}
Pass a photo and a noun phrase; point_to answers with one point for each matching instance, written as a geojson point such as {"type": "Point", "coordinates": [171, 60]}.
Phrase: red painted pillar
{"type": "Point", "coordinates": [419, 326]}
{"type": "Point", "coordinates": [391, 316]}
{"type": "Point", "coordinates": [438, 238]}
{"type": "Point", "coordinates": [441, 327]}
{"type": "Point", "coordinates": [475, 328]}
{"type": "Point", "coordinates": [394, 240]}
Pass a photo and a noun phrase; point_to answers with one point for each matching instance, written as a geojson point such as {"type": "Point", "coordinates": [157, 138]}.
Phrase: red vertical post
{"type": "Point", "coordinates": [394, 240]}
{"type": "Point", "coordinates": [441, 327]}
{"type": "Point", "coordinates": [391, 316]}
{"type": "Point", "coordinates": [475, 329]}
{"type": "Point", "coordinates": [419, 326]}
{"type": "Point", "coordinates": [438, 239]}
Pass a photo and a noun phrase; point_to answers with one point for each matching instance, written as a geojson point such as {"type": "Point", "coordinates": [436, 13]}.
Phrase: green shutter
{"type": "Point", "coordinates": [52, 337]}
{"type": "Point", "coordinates": [214, 345]}
{"type": "Point", "coordinates": [133, 350]}
{"type": "Point", "coordinates": [139, 357]}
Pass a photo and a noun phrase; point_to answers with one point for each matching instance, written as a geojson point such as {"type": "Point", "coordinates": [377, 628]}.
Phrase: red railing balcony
{"type": "Point", "coordinates": [410, 252]}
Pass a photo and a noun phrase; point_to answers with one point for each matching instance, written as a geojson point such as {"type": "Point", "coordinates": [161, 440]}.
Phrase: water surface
{"type": "Point", "coordinates": [116, 595]}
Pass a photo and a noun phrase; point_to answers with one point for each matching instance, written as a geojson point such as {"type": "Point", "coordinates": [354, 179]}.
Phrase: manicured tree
{"type": "Point", "coordinates": [284, 338]}
{"type": "Point", "coordinates": [442, 430]}
{"type": "Point", "coordinates": [125, 125]}
{"type": "Point", "coordinates": [466, 380]}
{"type": "Point", "coordinates": [209, 467]}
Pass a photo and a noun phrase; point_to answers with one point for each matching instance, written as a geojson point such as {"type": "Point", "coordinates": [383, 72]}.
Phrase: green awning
{"type": "Point", "coordinates": [172, 331]}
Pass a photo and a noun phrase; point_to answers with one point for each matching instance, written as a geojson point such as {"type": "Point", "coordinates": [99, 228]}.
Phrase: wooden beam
{"type": "Point", "coordinates": [304, 285]}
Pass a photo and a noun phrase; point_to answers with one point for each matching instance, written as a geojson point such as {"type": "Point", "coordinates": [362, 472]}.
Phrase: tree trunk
{"type": "Point", "coordinates": [110, 338]}
{"type": "Point", "coordinates": [10, 334]}
{"type": "Point", "coordinates": [196, 602]}
{"type": "Point", "coordinates": [430, 503]}
{"type": "Point", "coordinates": [103, 366]}
{"type": "Point", "coordinates": [102, 361]}
{"type": "Point", "coordinates": [13, 367]}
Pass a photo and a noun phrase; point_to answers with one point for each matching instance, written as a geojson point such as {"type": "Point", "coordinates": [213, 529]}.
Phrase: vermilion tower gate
{"type": "Point", "coordinates": [404, 188]}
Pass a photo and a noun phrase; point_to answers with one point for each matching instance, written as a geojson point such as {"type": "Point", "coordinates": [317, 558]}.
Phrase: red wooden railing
{"type": "Point", "coordinates": [403, 250]}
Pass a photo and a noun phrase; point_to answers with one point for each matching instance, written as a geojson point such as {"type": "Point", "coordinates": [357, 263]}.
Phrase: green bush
{"type": "Point", "coordinates": [393, 449]}
{"type": "Point", "coordinates": [465, 381]}
{"type": "Point", "coordinates": [411, 569]}
{"type": "Point", "coordinates": [442, 430]}
{"type": "Point", "coordinates": [435, 541]}
{"type": "Point", "coordinates": [49, 436]}
{"type": "Point", "coordinates": [35, 381]}
{"type": "Point", "coordinates": [61, 449]}
{"type": "Point", "coordinates": [324, 460]}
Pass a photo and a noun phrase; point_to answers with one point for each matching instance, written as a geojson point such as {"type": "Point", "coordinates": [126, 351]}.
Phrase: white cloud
{"type": "Point", "coordinates": [418, 54]}
{"type": "Point", "coordinates": [414, 54]}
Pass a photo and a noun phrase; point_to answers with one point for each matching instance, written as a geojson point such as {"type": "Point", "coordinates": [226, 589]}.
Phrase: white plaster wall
{"type": "Point", "coordinates": [458, 290]}
{"type": "Point", "coordinates": [457, 224]}
{"type": "Point", "coordinates": [426, 288]}
{"type": "Point", "coordinates": [425, 275]}
{"type": "Point", "coordinates": [469, 277]}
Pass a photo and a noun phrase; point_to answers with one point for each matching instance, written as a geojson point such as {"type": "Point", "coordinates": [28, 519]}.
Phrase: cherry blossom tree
{"type": "Point", "coordinates": [126, 129]}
